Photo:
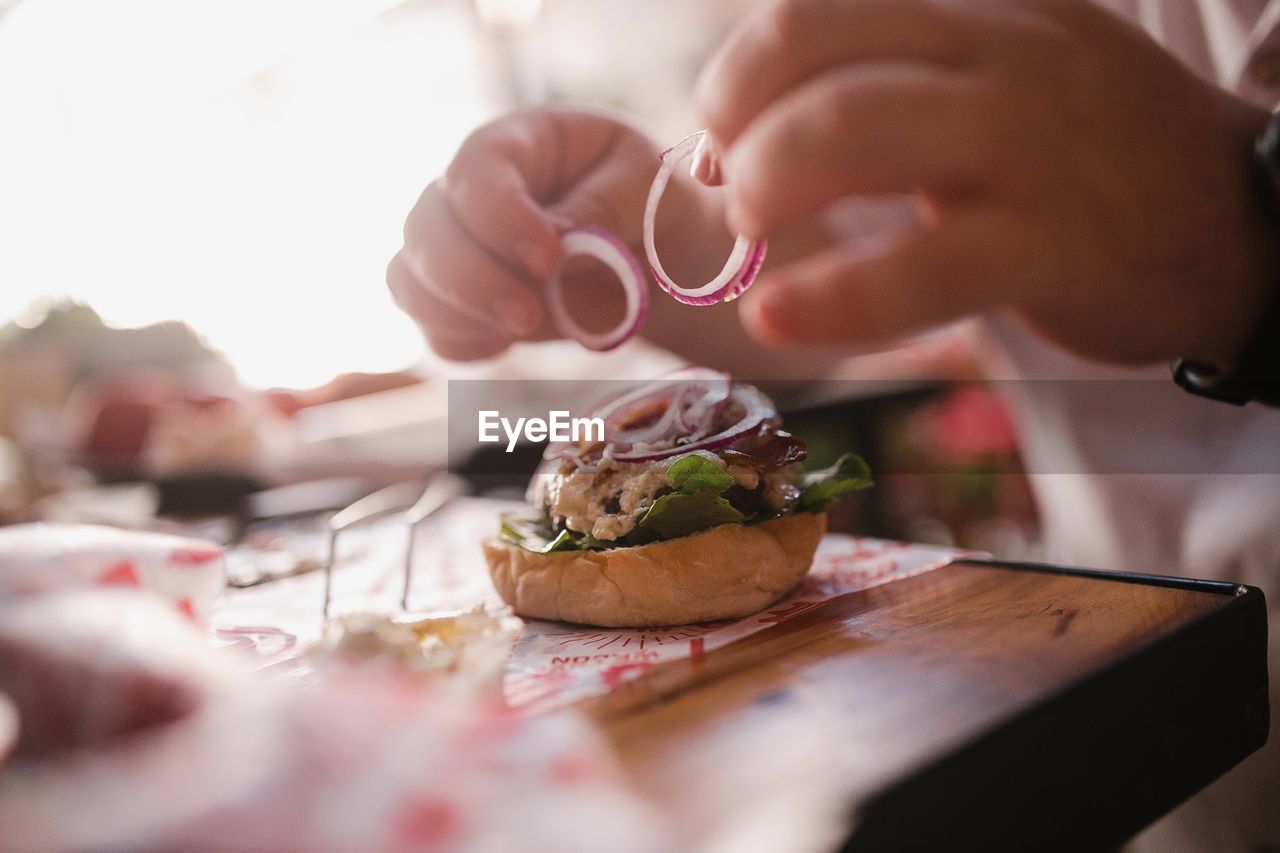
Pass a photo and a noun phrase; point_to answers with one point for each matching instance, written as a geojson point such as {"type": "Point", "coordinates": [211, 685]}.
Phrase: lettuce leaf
{"type": "Point", "coordinates": [535, 534]}
{"type": "Point", "coordinates": [564, 541]}
{"type": "Point", "coordinates": [679, 514]}
{"type": "Point", "coordinates": [693, 473]}
{"type": "Point", "coordinates": [849, 474]}
{"type": "Point", "coordinates": [696, 503]}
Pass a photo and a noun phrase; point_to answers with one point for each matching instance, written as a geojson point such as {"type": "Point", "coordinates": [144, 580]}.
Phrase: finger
{"type": "Point", "coordinates": [489, 186]}
{"type": "Point", "coordinates": [610, 191]}
{"type": "Point", "coordinates": [794, 40]}
{"type": "Point", "coordinates": [461, 274]}
{"type": "Point", "coordinates": [517, 184]}
{"type": "Point", "coordinates": [495, 207]}
{"type": "Point", "coordinates": [872, 129]}
{"type": "Point", "coordinates": [850, 296]}
{"type": "Point", "coordinates": [450, 335]}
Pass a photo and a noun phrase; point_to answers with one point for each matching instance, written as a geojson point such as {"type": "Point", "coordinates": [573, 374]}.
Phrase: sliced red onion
{"type": "Point", "coordinates": [613, 253]}
{"type": "Point", "coordinates": [706, 397]}
{"type": "Point", "coordinates": [687, 396]}
{"type": "Point", "coordinates": [757, 408]}
{"type": "Point", "coordinates": [614, 409]}
{"type": "Point", "coordinates": [744, 262]}
{"type": "Point", "coordinates": [616, 418]}
{"type": "Point", "coordinates": [692, 400]}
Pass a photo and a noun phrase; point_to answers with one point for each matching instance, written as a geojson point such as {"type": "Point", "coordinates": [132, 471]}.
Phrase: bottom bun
{"type": "Point", "coordinates": [722, 573]}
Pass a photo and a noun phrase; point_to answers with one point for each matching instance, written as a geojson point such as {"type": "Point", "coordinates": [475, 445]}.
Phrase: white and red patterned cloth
{"type": "Point", "coordinates": [42, 558]}
{"type": "Point", "coordinates": [122, 727]}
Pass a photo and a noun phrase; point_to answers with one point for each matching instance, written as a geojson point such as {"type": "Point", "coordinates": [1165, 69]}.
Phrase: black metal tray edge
{"type": "Point", "coordinates": [893, 819]}
{"type": "Point", "coordinates": [1168, 581]}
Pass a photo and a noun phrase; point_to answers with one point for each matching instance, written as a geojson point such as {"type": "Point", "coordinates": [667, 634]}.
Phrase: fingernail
{"type": "Point", "coordinates": [699, 167]}
{"type": "Point", "coordinates": [537, 260]}
{"type": "Point", "coordinates": [515, 316]}
{"type": "Point", "coordinates": [773, 310]}
{"type": "Point", "coordinates": [704, 167]}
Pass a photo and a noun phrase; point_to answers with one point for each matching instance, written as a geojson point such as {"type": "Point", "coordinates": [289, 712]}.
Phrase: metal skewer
{"type": "Point", "coordinates": [439, 492]}
{"type": "Point", "coordinates": [418, 504]}
{"type": "Point", "coordinates": [381, 503]}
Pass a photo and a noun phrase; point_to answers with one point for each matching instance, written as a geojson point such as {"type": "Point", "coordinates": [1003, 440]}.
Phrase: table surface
{"type": "Point", "coordinates": [988, 702]}
{"type": "Point", "coordinates": [991, 703]}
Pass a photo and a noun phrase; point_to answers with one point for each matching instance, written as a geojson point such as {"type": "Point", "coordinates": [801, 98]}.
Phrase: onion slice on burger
{"type": "Point", "coordinates": [678, 414]}
{"type": "Point", "coordinates": [755, 407]}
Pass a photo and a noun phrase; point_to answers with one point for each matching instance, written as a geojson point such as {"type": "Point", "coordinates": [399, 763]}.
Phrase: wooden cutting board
{"type": "Point", "coordinates": [984, 705]}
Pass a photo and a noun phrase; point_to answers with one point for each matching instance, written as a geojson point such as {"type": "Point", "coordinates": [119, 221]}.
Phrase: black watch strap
{"type": "Point", "coordinates": [1256, 374]}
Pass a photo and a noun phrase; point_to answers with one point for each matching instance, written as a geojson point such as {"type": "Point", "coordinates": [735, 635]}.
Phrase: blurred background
{"type": "Point", "coordinates": [197, 203]}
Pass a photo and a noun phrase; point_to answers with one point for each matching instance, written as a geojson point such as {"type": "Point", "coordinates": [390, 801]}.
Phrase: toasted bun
{"type": "Point", "coordinates": [721, 573]}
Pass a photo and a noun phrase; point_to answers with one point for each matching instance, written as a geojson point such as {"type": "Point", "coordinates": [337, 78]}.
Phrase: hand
{"type": "Point", "coordinates": [482, 239]}
{"type": "Point", "coordinates": [1067, 168]}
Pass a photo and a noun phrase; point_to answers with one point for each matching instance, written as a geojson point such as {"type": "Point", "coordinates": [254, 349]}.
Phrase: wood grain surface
{"type": "Point", "coordinates": [781, 740]}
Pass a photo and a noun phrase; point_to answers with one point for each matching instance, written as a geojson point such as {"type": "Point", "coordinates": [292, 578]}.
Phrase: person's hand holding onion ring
{"type": "Point", "coordinates": [1067, 168]}
{"type": "Point", "coordinates": [483, 241]}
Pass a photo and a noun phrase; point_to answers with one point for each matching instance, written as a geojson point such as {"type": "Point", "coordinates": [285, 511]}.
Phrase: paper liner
{"type": "Point", "coordinates": [553, 664]}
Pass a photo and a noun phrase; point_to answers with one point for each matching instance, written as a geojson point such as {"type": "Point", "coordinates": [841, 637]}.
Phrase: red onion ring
{"type": "Point", "coordinates": [615, 417]}
{"type": "Point", "coordinates": [757, 408]}
{"type": "Point", "coordinates": [613, 253]}
{"type": "Point", "coordinates": [739, 271]}
{"type": "Point", "coordinates": [691, 395]}
{"type": "Point", "coordinates": [692, 398]}
{"type": "Point", "coordinates": [713, 390]}
{"type": "Point", "coordinates": [613, 408]}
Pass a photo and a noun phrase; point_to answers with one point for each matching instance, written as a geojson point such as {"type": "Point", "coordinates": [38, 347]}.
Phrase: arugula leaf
{"type": "Point", "coordinates": [679, 514]}
{"type": "Point", "coordinates": [849, 474]}
{"type": "Point", "coordinates": [694, 506]}
{"type": "Point", "coordinates": [694, 473]}
{"type": "Point", "coordinates": [591, 543]}
{"type": "Point", "coordinates": [564, 541]}
{"type": "Point", "coordinates": [527, 530]}
{"type": "Point", "coordinates": [535, 534]}
{"type": "Point", "coordinates": [507, 531]}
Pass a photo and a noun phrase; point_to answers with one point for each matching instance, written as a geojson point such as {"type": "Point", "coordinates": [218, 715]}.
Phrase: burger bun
{"type": "Point", "coordinates": [723, 573]}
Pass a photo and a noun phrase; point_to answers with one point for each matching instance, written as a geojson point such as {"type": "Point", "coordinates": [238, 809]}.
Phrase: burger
{"type": "Point", "coordinates": [693, 506]}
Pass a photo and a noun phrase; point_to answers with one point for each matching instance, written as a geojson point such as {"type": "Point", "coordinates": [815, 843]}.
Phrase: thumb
{"type": "Point", "coordinates": [847, 297]}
